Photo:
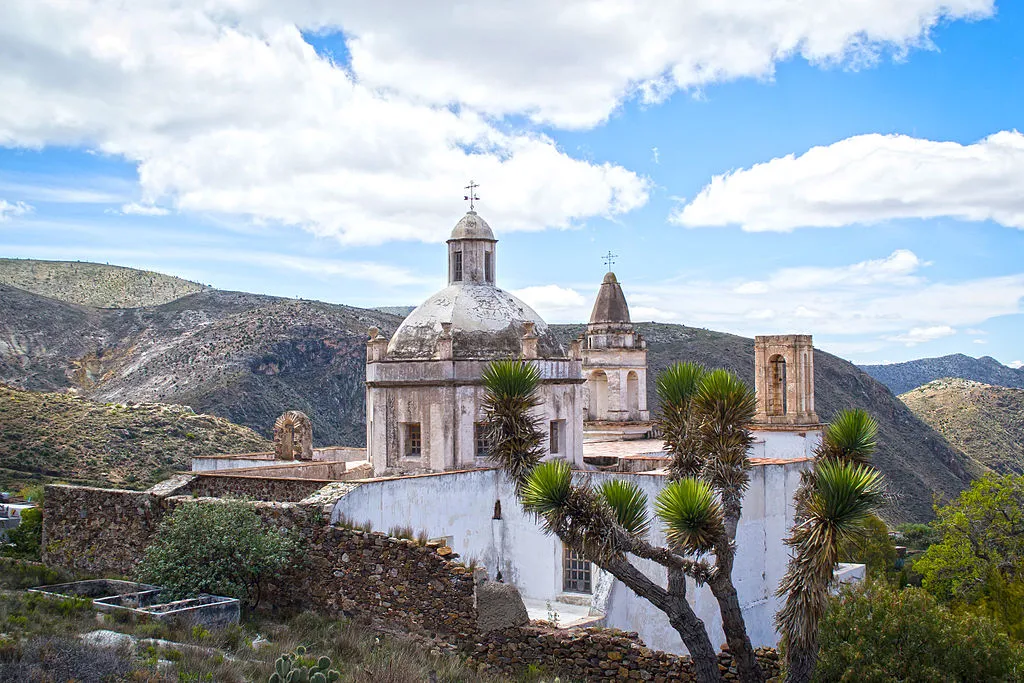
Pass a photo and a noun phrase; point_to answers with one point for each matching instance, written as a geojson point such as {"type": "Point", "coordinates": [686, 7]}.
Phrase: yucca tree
{"type": "Point", "coordinates": [704, 419]}
{"type": "Point", "coordinates": [835, 499]}
{"type": "Point", "coordinates": [609, 523]}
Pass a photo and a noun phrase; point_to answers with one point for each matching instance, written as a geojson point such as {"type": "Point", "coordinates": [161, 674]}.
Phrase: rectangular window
{"type": "Point", "coordinates": [555, 434]}
{"type": "Point", "coordinates": [488, 267]}
{"type": "Point", "coordinates": [575, 572]}
{"type": "Point", "coordinates": [483, 444]}
{"type": "Point", "coordinates": [457, 266]}
{"type": "Point", "coordinates": [413, 440]}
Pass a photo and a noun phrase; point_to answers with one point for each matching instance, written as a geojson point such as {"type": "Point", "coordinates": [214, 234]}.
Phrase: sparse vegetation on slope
{"type": "Point", "coordinates": [95, 284]}
{"type": "Point", "coordinates": [902, 377]}
{"type": "Point", "coordinates": [49, 435]}
{"type": "Point", "coordinates": [985, 422]}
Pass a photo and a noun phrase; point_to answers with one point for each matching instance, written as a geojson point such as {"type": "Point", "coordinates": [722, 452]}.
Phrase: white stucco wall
{"type": "Point", "coordinates": [460, 505]}
{"type": "Point", "coordinates": [784, 444]}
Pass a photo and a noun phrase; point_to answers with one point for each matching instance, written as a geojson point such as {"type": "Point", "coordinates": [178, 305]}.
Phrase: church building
{"type": "Point", "coordinates": [424, 387]}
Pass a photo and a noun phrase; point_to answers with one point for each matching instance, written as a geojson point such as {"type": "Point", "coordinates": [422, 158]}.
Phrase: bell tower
{"type": "Point", "coordinates": [784, 380]}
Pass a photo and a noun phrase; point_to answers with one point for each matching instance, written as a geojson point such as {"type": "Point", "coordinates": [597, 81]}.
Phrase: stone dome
{"type": "Point", "coordinates": [610, 306]}
{"type": "Point", "coordinates": [487, 323]}
{"type": "Point", "coordinates": [472, 227]}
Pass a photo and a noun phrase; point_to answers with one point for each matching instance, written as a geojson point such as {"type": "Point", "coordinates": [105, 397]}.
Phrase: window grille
{"type": "Point", "coordinates": [483, 444]}
{"type": "Point", "coordinates": [488, 267]}
{"type": "Point", "coordinates": [413, 440]}
{"type": "Point", "coordinates": [458, 267]}
{"type": "Point", "coordinates": [553, 446]}
{"type": "Point", "coordinates": [576, 572]}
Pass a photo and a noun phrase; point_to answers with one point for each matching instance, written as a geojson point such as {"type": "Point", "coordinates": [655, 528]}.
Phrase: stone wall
{"type": "Point", "coordinates": [255, 487]}
{"type": "Point", "coordinates": [591, 654]}
{"type": "Point", "coordinates": [98, 531]}
{"type": "Point", "coordinates": [395, 581]}
{"type": "Point", "coordinates": [368, 574]}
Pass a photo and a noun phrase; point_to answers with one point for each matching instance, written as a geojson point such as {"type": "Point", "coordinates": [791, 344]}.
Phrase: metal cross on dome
{"type": "Point", "coordinates": [609, 260]}
{"type": "Point", "coordinates": [471, 197]}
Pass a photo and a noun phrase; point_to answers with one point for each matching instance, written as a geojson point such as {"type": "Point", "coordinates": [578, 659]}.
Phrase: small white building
{"type": "Point", "coordinates": [424, 389]}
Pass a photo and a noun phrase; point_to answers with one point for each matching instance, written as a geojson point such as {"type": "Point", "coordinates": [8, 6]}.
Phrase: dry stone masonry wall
{"type": "Point", "coordinates": [592, 654]}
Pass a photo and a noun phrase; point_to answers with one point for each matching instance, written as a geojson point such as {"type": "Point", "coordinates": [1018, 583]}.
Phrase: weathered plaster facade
{"type": "Point", "coordinates": [490, 525]}
{"type": "Point", "coordinates": [614, 361]}
{"type": "Point", "coordinates": [423, 386]}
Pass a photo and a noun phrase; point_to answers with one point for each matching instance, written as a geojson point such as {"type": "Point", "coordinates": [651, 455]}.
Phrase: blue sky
{"type": "Point", "coordinates": [839, 169]}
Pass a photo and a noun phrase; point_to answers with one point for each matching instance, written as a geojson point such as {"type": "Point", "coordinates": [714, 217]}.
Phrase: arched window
{"type": "Point", "coordinates": [598, 395]}
{"type": "Point", "coordinates": [633, 395]}
{"type": "Point", "coordinates": [776, 385]}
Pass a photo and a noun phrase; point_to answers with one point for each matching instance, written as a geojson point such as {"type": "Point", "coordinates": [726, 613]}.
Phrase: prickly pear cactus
{"type": "Point", "coordinates": [291, 668]}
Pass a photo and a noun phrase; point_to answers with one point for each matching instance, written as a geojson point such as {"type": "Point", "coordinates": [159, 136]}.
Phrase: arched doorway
{"type": "Point", "coordinates": [598, 395]}
{"type": "Point", "coordinates": [776, 385]}
{"type": "Point", "coordinates": [633, 395]}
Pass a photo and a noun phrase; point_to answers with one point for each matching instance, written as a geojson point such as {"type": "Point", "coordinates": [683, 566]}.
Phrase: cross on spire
{"type": "Point", "coordinates": [471, 194]}
{"type": "Point", "coordinates": [609, 260]}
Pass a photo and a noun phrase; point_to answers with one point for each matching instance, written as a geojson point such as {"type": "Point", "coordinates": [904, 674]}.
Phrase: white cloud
{"type": "Point", "coordinates": [555, 303]}
{"type": "Point", "coordinates": [1016, 364]}
{"type": "Point", "coordinates": [226, 109]}
{"type": "Point", "coordinates": [979, 341]}
{"type": "Point", "coordinates": [919, 335]}
{"type": "Point", "coordinates": [897, 269]}
{"type": "Point", "coordinates": [866, 179]}
{"type": "Point", "coordinates": [883, 299]}
{"type": "Point", "coordinates": [9, 209]}
{"type": "Point", "coordinates": [143, 210]}
{"type": "Point", "coordinates": [573, 62]}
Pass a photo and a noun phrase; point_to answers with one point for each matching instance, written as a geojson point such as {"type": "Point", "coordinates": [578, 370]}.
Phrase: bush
{"type": "Point", "coordinates": [217, 548]}
{"type": "Point", "coordinates": [65, 659]}
{"type": "Point", "coordinates": [873, 548]}
{"type": "Point", "coordinates": [27, 536]}
{"type": "Point", "coordinates": [917, 536]}
{"type": "Point", "coordinates": [979, 561]}
{"type": "Point", "coordinates": [873, 632]}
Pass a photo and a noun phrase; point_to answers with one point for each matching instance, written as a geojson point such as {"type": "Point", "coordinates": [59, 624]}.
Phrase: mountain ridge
{"type": "Point", "coordinates": [95, 284]}
{"type": "Point", "coordinates": [984, 421]}
{"type": "Point", "coordinates": [902, 377]}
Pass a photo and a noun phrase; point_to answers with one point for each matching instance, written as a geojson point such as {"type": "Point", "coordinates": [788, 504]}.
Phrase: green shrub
{"type": "Point", "coordinates": [874, 632]}
{"type": "Point", "coordinates": [917, 536]}
{"type": "Point", "coordinates": [217, 548]}
{"type": "Point", "coordinates": [979, 561]}
{"type": "Point", "coordinates": [873, 548]}
{"type": "Point", "coordinates": [27, 536]}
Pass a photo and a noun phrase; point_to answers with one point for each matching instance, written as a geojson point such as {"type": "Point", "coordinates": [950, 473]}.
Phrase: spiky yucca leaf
{"type": "Point", "coordinates": [851, 436]}
{"type": "Point", "coordinates": [725, 406]}
{"type": "Point", "coordinates": [676, 387]}
{"type": "Point", "coordinates": [844, 495]}
{"type": "Point", "coordinates": [514, 435]}
{"type": "Point", "coordinates": [547, 488]}
{"type": "Point", "coordinates": [723, 397]}
{"type": "Point", "coordinates": [840, 497]}
{"type": "Point", "coordinates": [691, 514]}
{"type": "Point", "coordinates": [628, 503]}
{"type": "Point", "coordinates": [677, 384]}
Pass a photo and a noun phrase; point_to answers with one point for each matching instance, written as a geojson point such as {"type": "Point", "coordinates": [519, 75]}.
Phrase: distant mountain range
{"type": "Point", "coordinates": [985, 422]}
{"type": "Point", "coordinates": [248, 358]}
{"type": "Point", "coordinates": [902, 377]}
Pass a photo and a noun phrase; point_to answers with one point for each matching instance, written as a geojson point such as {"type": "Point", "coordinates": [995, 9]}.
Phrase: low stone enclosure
{"type": "Point", "coordinates": [394, 583]}
{"type": "Point", "coordinates": [144, 600]}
